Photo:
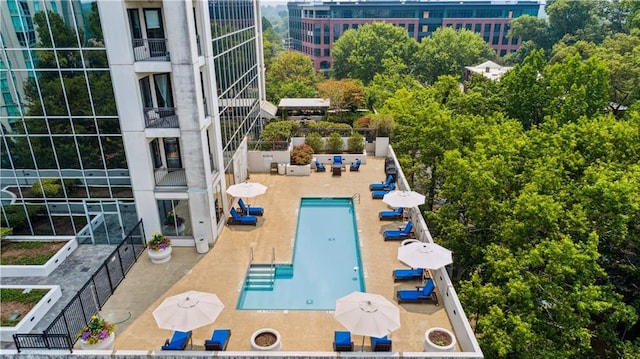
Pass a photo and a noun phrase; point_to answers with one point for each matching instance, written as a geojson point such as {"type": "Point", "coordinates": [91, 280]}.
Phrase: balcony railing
{"type": "Point", "coordinates": [150, 50]}
{"type": "Point", "coordinates": [160, 117]}
{"type": "Point", "coordinates": [170, 177]}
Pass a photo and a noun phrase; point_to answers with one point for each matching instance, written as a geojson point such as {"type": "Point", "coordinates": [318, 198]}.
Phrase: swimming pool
{"type": "Point", "coordinates": [326, 261]}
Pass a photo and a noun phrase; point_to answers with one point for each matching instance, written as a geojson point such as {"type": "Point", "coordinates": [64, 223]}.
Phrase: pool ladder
{"type": "Point", "coordinates": [261, 276]}
{"type": "Point", "coordinates": [356, 196]}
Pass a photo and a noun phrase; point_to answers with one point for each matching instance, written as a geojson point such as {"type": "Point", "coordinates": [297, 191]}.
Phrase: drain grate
{"type": "Point", "coordinates": [85, 269]}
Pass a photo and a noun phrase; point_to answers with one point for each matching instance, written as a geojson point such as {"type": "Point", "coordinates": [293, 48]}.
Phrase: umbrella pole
{"type": "Point", "coordinates": [362, 349]}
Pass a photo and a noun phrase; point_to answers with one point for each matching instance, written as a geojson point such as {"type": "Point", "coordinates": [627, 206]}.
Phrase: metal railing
{"type": "Point", "coordinates": [150, 50]}
{"type": "Point", "coordinates": [160, 117]}
{"type": "Point", "coordinates": [356, 196]}
{"type": "Point", "coordinates": [61, 333]}
{"type": "Point", "coordinates": [273, 266]}
{"type": "Point", "coordinates": [170, 177]}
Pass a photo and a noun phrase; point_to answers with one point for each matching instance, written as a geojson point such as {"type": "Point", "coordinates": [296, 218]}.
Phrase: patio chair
{"type": "Point", "coordinates": [252, 211]}
{"type": "Point", "coordinates": [355, 166]}
{"type": "Point", "coordinates": [395, 235]}
{"type": "Point", "coordinates": [380, 194]}
{"type": "Point", "coordinates": [408, 274]}
{"type": "Point", "coordinates": [337, 161]}
{"type": "Point", "coordinates": [178, 341]}
{"type": "Point", "coordinates": [236, 218]}
{"type": "Point", "coordinates": [320, 167]}
{"type": "Point", "coordinates": [342, 341]}
{"type": "Point", "coordinates": [381, 186]}
{"type": "Point", "coordinates": [422, 294]}
{"type": "Point", "coordinates": [391, 215]}
{"type": "Point", "coordinates": [381, 344]}
{"type": "Point", "coordinates": [219, 340]}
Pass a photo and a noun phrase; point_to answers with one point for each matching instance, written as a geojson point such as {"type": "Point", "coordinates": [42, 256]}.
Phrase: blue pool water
{"type": "Point", "coordinates": [326, 261]}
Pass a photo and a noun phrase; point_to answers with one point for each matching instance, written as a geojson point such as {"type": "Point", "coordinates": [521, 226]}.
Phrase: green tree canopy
{"type": "Point", "coordinates": [291, 75]}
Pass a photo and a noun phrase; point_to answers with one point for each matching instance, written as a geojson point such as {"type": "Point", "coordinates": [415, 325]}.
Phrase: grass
{"type": "Point", "coordinates": [13, 300]}
{"type": "Point", "coordinates": [28, 253]}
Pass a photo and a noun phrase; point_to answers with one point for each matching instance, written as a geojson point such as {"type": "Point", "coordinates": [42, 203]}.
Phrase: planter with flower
{"type": "Point", "coordinates": [97, 335]}
{"type": "Point", "coordinates": [173, 225]}
{"type": "Point", "coordinates": [301, 157]}
{"type": "Point", "coordinates": [159, 248]}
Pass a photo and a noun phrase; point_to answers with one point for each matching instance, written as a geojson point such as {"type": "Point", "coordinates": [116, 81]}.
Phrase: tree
{"type": "Point", "coordinates": [360, 54]}
{"type": "Point", "coordinates": [394, 77]}
{"type": "Point", "coordinates": [533, 29]}
{"type": "Point", "coordinates": [271, 43]}
{"type": "Point", "coordinates": [568, 16]}
{"type": "Point", "coordinates": [447, 52]}
{"type": "Point", "coordinates": [344, 95]}
{"type": "Point", "coordinates": [291, 75]}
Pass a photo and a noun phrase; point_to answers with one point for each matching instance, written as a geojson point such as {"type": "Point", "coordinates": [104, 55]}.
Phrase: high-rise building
{"type": "Point", "coordinates": [115, 111]}
{"type": "Point", "coordinates": [315, 25]}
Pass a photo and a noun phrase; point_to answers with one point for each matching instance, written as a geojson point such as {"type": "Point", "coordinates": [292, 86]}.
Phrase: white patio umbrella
{"type": "Point", "coordinates": [188, 311]}
{"type": "Point", "coordinates": [424, 255]}
{"type": "Point", "coordinates": [367, 314]}
{"type": "Point", "coordinates": [404, 199]}
{"type": "Point", "coordinates": [246, 189]}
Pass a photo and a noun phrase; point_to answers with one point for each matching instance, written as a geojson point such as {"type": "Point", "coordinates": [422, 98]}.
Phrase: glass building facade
{"type": "Point", "coordinates": [143, 116]}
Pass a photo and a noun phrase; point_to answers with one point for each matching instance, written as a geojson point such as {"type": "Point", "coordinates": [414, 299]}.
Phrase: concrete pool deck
{"type": "Point", "coordinates": [222, 271]}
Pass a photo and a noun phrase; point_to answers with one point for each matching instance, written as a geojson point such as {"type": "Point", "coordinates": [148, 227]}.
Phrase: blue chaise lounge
{"type": "Point", "coordinates": [320, 167]}
{"type": "Point", "coordinates": [380, 194]}
{"type": "Point", "coordinates": [178, 341]}
{"type": "Point", "coordinates": [381, 186]}
{"type": "Point", "coordinates": [252, 211]}
{"type": "Point", "coordinates": [419, 295]}
{"type": "Point", "coordinates": [408, 274]}
{"type": "Point", "coordinates": [381, 344]}
{"type": "Point", "coordinates": [391, 215]}
{"type": "Point", "coordinates": [394, 235]}
{"type": "Point", "coordinates": [219, 340]}
{"type": "Point", "coordinates": [236, 218]}
{"type": "Point", "coordinates": [342, 341]}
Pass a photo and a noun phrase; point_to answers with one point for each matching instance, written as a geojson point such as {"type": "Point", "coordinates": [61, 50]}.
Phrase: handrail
{"type": "Point", "coordinates": [250, 255]}
{"type": "Point", "coordinates": [356, 196]}
{"type": "Point", "coordinates": [273, 265]}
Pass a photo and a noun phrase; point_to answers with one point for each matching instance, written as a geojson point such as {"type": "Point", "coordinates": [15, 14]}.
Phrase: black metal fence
{"type": "Point", "coordinates": [61, 333]}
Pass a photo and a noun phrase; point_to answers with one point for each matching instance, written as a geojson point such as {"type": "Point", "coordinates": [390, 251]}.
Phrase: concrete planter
{"type": "Point", "coordinates": [431, 346]}
{"type": "Point", "coordinates": [273, 347]}
{"type": "Point", "coordinates": [31, 319]}
{"type": "Point", "coordinates": [41, 270]}
{"type": "Point", "coordinates": [298, 170]}
{"type": "Point", "coordinates": [161, 256]}
{"type": "Point", "coordinates": [106, 344]}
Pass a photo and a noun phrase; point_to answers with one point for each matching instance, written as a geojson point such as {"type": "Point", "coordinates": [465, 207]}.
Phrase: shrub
{"type": "Point", "coordinates": [315, 141]}
{"type": "Point", "coordinates": [301, 155]}
{"type": "Point", "coordinates": [356, 143]}
{"type": "Point", "coordinates": [334, 143]}
{"type": "Point", "coordinates": [52, 187]}
{"type": "Point", "coordinates": [383, 124]}
{"type": "Point", "coordinates": [362, 122]}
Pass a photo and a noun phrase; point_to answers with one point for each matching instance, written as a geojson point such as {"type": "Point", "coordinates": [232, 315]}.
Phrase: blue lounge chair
{"type": "Point", "coordinates": [320, 167]}
{"type": "Point", "coordinates": [252, 211]}
{"type": "Point", "coordinates": [380, 194]}
{"type": "Point", "coordinates": [219, 340]}
{"type": "Point", "coordinates": [337, 161]}
{"type": "Point", "coordinates": [391, 215]}
{"type": "Point", "coordinates": [394, 235]}
{"type": "Point", "coordinates": [408, 274]}
{"type": "Point", "coordinates": [355, 166]}
{"type": "Point", "coordinates": [381, 344]}
{"type": "Point", "coordinates": [419, 295]}
{"type": "Point", "coordinates": [238, 219]}
{"type": "Point", "coordinates": [178, 341]}
{"type": "Point", "coordinates": [381, 186]}
{"type": "Point", "coordinates": [342, 341]}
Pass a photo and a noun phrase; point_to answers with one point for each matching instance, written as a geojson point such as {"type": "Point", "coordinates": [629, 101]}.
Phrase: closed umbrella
{"type": "Point", "coordinates": [367, 314]}
{"type": "Point", "coordinates": [188, 311]}
{"type": "Point", "coordinates": [424, 255]}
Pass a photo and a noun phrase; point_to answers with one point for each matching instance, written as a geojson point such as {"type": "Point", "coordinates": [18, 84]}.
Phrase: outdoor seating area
{"type": "Point", "coordinates": [383, 344]}
{"type": "Point", "coordinates": [421, 294]}
{"type": "Point", "coordinates": [178, 341]}
{"type": "Point", "coordinates": [383, 185]}
{"type": "Point", "coordinates": [410, 274]}
{"type": "Point", "coordinates": [399, 234]}
{"type": "Point", "coordinates": [320, 167]}
{"type": "Point", "coordinates": [355, 166]}
{"type": "Point", "coordinates": [380, 194]}
{"type": "Point", "coordinates": [391, 215]}
{"type": "Point", "coordinates": [237, 218]}
{"type": "Point", "coordinates": [248, 210]}
{"type": "Point", "coordinates": [219, 340]}
{"type": "Point", "coordinates": [342, 341]}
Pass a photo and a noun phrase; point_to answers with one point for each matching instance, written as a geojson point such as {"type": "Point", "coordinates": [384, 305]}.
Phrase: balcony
{"type": "Point", "coordinates": [150, 50]}
{"type": "Point", "coordinates": [170, 177]}
{"type": "Point", "coordinates": [160, 117]}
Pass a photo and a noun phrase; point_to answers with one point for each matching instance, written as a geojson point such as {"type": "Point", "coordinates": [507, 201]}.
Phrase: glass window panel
{"type": "Point", "coordinates": [78, 95]}
{"type": "Point", "coordinates": [60, 126]}
{"type": "Point", "coordinates": [175, 218]}
{"type": "Point", "coordinates": [152, 19]}
{"type": "Point", "coordinates": [108, 126]}
{"type": "Point", "coordinates": [114, 152]}
{"type": "Point", "coordinates": [69, 59]}
{"type": "Point", "coordinates": [84, 126]}
{"type": "Point", "coordinates": [43, 152]}
{"type": "Point", "coordinates": [63, 35]}
{"type": "Point", "coordinates": [96, 58]}
{"type": "Point", "coordinates": [90, 152]}
{"type": "Point", "coordinates": [20, 152]}
{"type": "Point", "coordinates": [53, 97]}
{"type": "Point", "coordinates": [66, 150]}
{"type": "Point", "coordinates": [36, 125]}
{"type": "Point", "coordinates": [102, 93]}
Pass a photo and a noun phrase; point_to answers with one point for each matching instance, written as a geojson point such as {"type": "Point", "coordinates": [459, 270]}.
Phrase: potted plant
{"type": "Point", "coordinates": [97, 335]}
{"type": "Point", "coordinates": [438, 339]}
{"type": "Point", "coordinates": [159, 248]}
{"type": "Point", "coordinates": [301, 156]}
{"type": "Point", "coordinates": [265, 339]}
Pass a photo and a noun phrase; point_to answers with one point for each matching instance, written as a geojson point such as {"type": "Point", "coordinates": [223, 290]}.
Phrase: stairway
{"type": "Point", "coordinates": [260, 277]}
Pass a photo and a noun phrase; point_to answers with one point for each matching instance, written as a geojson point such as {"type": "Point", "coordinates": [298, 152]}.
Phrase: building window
{"type": "Point", "coordinates": [175, 218]}
{"type": "Point", "coordinates": [425, 14]}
